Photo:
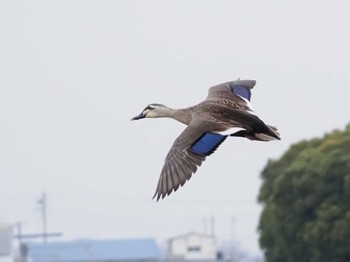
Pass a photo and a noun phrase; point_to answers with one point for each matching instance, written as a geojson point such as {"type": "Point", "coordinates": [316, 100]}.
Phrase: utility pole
{"type": "Point", "coordinates": [212, 225]}
{"type": "Point", "coordinates": [20, 236]}
{"type": "Point", "coordinates": [233, 229]}
{"type": "Point", "coordinates": [205, 226]}
{"type": "Point", "coordinates": [23, 246]}
{"type": "Point", "coordinates": [19, 232]}
{"type": "Point", "coordinates": [42, 202]}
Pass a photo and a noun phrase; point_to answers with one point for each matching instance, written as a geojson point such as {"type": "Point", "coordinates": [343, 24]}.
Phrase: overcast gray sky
{"type": "Point", "coordinates": [73, 73]}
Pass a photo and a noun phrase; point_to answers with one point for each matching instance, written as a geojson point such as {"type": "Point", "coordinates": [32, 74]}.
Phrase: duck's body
{"type": "Point", "coordinates": [226, 108]}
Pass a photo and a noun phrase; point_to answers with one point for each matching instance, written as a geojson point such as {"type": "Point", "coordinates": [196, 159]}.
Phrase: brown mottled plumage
{"type": "Point", "coordinates": [223, 109]}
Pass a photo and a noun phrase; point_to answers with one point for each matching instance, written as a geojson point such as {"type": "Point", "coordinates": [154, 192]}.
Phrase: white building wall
{"type": "Point", "coordinates": [193, 246]}
{"type": "Point", "coordinates": [6, 243]}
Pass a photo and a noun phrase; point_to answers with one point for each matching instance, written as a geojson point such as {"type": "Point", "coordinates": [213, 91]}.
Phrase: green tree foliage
{"type": "Point", "coordinates": [306, 199]}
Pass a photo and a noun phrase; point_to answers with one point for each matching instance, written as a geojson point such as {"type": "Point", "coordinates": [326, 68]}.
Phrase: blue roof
{"type": "Point", "coordinates": [95, 250]}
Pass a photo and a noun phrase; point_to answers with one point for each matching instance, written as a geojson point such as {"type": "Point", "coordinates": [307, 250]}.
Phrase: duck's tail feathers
{"type": "Point", "coordinates": [270, 134]}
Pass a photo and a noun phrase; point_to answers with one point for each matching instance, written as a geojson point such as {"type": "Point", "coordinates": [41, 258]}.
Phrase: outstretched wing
{"type": "Point", "coordinates": [241, 88]}
{"type": "Point", "coordinates": [188, 152]}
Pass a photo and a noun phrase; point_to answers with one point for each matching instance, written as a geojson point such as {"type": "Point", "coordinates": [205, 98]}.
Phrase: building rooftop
{"type": "Point", "coordinates": [95, 250]}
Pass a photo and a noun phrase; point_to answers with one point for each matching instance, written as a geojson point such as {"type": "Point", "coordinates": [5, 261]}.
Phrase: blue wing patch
{"type": "Point", "coordinates": [207, 144]}
{"type": "Point", "coordinates": [240, 90]}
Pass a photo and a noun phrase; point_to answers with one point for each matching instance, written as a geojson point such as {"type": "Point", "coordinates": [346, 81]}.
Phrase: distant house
{"type": "Point", "coordinates": [192, 246]}
{"type": "Point", "coordinates": [144, 250]}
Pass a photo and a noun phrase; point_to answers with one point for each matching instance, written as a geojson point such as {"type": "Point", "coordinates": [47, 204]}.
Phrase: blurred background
{"type": "Point", "coordinates": [73, 73]}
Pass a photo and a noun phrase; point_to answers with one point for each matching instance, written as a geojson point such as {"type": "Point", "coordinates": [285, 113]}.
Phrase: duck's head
{"type": "Point", "coordinates": [152, 111]}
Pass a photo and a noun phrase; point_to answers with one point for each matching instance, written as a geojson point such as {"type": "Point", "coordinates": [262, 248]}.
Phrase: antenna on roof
{"type": "Point", "coordinates": [42, 202]}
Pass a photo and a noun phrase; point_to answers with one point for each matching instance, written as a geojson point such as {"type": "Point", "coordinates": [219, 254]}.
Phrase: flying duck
{"type": "Point", "coordinates": [225, 112]}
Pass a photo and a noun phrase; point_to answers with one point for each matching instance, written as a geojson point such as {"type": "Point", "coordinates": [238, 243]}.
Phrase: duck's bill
{"type": "Point", "coordinates": [140, 116]}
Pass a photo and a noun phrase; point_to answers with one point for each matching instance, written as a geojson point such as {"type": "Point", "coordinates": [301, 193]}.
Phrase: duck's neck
{"type": "Point", "coordinates": [164, 112]}
{"type": "Point", "coordinates": [181, 115]}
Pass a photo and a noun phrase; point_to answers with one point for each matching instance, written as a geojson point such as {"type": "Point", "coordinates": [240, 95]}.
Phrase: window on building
{"type": "Point", "coordinates": [194, 248]}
